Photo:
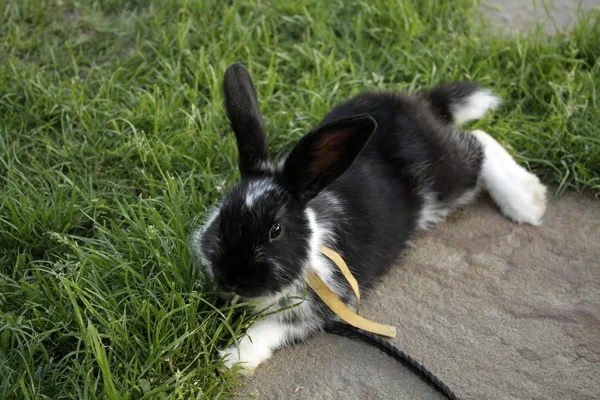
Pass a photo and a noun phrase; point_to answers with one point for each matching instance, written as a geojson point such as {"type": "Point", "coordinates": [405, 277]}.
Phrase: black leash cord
{"type": "Point", "coordinates": [342, 329]}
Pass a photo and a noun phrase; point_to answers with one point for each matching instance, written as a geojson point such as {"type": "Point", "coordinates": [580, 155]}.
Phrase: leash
{"type": "Point", "coordinates": [342, 329]}
{"type": "Point", "coordinates": [357, 327]}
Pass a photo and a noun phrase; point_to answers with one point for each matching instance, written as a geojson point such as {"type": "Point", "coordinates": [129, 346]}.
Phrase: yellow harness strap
{"type": "Point", "coordinates": [339, 261]}
{"type": "Point", "coordinates": [337, 306]}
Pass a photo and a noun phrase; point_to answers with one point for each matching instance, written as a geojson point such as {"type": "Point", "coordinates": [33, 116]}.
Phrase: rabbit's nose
{"type": "Point", "coordinates": [230, 286]}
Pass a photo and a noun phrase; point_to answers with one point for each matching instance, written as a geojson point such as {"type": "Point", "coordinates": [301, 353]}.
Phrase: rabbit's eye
{"type": "Point", "coordinates": [275, 231]}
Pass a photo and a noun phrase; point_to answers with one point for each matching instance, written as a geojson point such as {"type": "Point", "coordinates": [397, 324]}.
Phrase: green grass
{"type": "Point", "coordinates": [113, 144]}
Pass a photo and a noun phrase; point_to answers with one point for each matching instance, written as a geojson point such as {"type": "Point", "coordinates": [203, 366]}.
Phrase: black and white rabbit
{"type": "Point", "coordinates": [374, 171]}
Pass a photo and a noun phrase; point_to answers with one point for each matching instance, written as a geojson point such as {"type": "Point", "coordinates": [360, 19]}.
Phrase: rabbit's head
{"type": "Point", "coordinates": [259, 238]}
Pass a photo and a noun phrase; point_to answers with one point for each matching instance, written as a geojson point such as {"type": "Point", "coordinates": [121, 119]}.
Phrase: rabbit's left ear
{"type": "Point", "coordinates": [324, 154]}
{"type": "Point", "coordinates": [243, 112]}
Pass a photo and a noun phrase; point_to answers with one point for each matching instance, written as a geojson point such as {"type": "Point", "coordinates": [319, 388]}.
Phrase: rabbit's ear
{"type": "Point", "coordinates": [243, 112]}
{"type": "Point", "coordinates": [325, 153]}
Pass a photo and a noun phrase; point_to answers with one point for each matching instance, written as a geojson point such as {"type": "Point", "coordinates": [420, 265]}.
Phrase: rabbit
{"type": "Point", "coordinates": [376, 170]}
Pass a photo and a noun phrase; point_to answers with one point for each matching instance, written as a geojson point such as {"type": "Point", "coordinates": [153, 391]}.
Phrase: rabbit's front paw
{"type": "Point", "coordinates": [246, 358]}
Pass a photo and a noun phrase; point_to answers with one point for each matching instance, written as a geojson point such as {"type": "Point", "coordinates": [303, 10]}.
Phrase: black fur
{"type": "Point", "coordinates": [364, 177]}
{"type": "Point", "coordinates": [244, 114]}
{"type": "Point", "coordinates": [324, 154]}
{"type": "Point", "coordinates": [446, 97]}
{"type": "Point", "coordinates": [413, 150]}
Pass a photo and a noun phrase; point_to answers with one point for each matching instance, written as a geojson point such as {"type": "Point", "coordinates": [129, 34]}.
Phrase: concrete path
{"type": "Point", "coordinates": [518, 14]}
{"type": "Point", "coordinates": [497, 310]}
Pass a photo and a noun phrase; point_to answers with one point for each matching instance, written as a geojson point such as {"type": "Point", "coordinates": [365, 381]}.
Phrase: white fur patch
{"type": "Point", "coordinates": [258, 345]}
{"type": "Point", "coordinates": [433, 212]}
{"type": "Point", "coordinates": [257, 189]}
{"type": "Point", "coordinates": [197, 240]}
{"type": "Point", "coordinates": [265, 166]}
{"type": "Point", "coordinates": [334, 203]}
{"type": "Point", "coordinates": [474, 106]}
{"type": "Point", "coordinates": [518, 193]}
{"type": "Point", "coordinates": [317, 262]}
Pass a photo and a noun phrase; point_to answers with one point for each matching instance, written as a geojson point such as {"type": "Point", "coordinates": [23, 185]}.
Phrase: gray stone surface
{"type": "Point", "coordinates": [520, 14]}
{"type": "Point", "coordinates": [495, 309]}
